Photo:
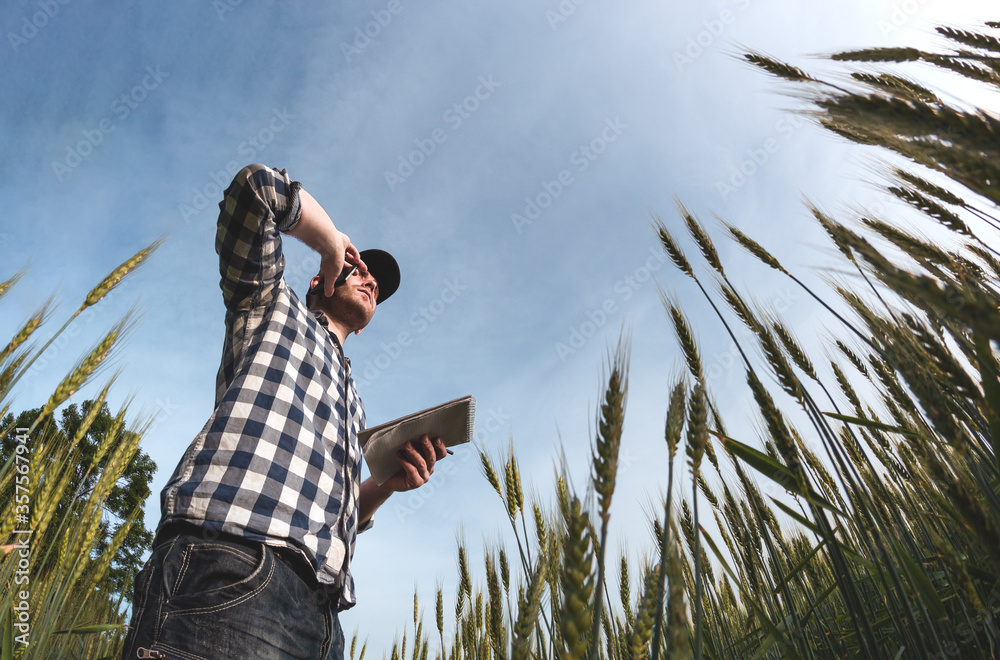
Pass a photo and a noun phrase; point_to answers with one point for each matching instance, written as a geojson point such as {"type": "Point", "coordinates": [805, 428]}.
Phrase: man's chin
{"type": "Point", "coordinates": [354, 314]}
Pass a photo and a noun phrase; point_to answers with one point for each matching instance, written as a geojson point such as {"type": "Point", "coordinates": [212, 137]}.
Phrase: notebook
{"type": "Point", "coordinates": [454, 421]}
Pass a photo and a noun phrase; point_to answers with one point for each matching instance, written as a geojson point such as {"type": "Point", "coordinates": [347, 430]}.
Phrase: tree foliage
{"type": "Point", "coordinates": [129, 493]}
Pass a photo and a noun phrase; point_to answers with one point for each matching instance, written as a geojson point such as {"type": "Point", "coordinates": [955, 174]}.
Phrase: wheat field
{"type": "Point", "coordinates": [888, 542]}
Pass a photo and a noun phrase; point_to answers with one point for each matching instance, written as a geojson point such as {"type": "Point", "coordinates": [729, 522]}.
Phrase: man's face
{"type": "Point", "coordinates": [352, 303]}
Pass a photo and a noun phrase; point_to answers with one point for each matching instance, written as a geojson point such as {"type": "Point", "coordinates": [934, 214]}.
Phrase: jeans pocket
{"type": "Point", "coordinates": [225, 599]}
{"type": "Point", "coordinates": [201, 575]}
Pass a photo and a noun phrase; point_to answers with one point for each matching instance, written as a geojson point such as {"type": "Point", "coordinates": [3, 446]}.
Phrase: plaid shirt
{"type": "Point", "coordinates": [272, 461]}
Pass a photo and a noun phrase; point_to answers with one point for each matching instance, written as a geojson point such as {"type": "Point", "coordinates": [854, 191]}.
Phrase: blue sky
{"type": "Point", "coordinates": [508, 154]}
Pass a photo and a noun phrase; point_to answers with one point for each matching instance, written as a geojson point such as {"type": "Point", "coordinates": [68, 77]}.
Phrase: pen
{"type": "Point", "coordinates": [450, 452]}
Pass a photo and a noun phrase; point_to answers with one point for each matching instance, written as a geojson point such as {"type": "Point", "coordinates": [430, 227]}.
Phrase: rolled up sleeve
{"type": "Point", "coordinates": [259, 204]}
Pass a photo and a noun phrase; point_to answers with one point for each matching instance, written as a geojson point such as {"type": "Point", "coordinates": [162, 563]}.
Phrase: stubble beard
{"type": "Point", "coordinates": [347, 311]}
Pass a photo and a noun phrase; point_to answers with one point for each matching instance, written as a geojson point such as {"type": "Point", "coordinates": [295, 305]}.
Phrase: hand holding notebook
{"type": "Point", "coordinates": [453, 422]}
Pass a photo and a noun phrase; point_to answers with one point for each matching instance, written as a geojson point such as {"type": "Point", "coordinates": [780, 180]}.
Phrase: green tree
{"type": "Point", "coordinates": [130, 490]}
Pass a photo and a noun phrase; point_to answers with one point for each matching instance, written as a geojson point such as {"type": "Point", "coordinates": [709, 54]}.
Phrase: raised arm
{"type": "Point", "coordinates": [259, 204]}
{"type": "Point", "coordinates": [316, 229]}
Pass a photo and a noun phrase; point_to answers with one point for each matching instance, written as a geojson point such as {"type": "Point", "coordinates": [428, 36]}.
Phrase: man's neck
{"type": "Point", "coordinates": [339, 330]}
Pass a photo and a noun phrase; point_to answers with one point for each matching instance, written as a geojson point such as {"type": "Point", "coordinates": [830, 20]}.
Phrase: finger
{"type": "Point", "coordinates": [331, 267]}
{"type": "Point", "coordinates": [439, 448]}
{"type": "Point", "coordinates": [408, 454]}
{"type": "Point", "coordinates": [411, 476]}
{"type": "Point", "coordinates": [427, 451]}
{"type": "Point", "coordinates": [418, 474]}
{"type": "Point", "coordinates": [353, 257]}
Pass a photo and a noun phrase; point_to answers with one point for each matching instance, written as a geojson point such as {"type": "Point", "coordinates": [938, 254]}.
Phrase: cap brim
{"type": "Point", "coordinates": [384, 269]}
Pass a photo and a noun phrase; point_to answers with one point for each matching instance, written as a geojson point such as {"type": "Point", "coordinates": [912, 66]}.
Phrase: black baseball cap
{"type": "Point", "coordinates": [384, 269]}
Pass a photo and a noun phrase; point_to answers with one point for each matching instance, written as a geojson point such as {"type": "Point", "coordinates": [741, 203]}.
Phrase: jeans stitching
{"type": "Point", "coordinates": [180, 573]}
{"type": "Point", "coordinates": [190, 550]}
{"type": "Point", "coordinates": [158, 622]}
{"type": "Point", "coordinates": [234, 602]}
{"type": "Point", "coordinates": [138, 612]}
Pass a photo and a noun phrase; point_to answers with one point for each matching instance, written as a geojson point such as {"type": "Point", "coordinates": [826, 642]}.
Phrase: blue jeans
{"type": "Point", "coordinates": [208, 596]}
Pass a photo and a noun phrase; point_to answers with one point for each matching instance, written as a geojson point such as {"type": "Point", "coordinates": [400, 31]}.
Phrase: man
{"type": "Point", "coordinates": [253, 552]}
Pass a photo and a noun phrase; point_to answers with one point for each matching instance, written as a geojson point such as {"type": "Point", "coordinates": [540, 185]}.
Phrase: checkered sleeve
{"type": "Point", "coordinates": [259, 203]}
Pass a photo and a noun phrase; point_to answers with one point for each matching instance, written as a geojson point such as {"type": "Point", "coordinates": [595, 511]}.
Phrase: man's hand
{"type": "Point", "coordinates": [332, 263]}
{"type": "Point", "coordinates": [417, 458]}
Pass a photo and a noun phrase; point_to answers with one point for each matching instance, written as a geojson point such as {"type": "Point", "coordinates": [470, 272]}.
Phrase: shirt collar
{"type": "Point", "coordinates": [325, 322]}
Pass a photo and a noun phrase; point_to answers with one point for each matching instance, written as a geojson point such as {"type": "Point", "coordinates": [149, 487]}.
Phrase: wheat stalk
{"type": "Point", "coordinates": [974, 39]}
{"type": "Point", "coordinates": [754, 248]}
{"type": "Point", "coordinates": [527, 612]}
{"type": "Point", "coordinates": [34, 321]}
{"type": "Point", "coordinates": [491, 475]}
{"type": "Point", "coordinates": [674, 252]}
{"type": "Point", "coordinates": [86, 367]}
{"type": "Point", "coordinates": [701, 238]}
{"type": "Point", "coordinates": [678, 630]}
{"type": "Point", "coordinates": [682, 331]}
{"type": "Point", "coordinates": [577, 582]}
{"type": "Point", "coordinates": [118, 274]}
{"type": "Point", "coordinates": [879, 55]}
{"type": "Point", "coordinates": [511, 487]}
{"type": "Point", "coordinates": [931, 208]}
{"type": "Point", "coordinates": [645, 614]}
{"type": "Point", "coordinates": [897, 85]}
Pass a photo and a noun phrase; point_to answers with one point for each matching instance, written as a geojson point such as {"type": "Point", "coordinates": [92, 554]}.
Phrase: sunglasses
{"type": "Point", "coordinates": [344, 274]}
{"type": "Point", "coordinates": [347, 272]}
